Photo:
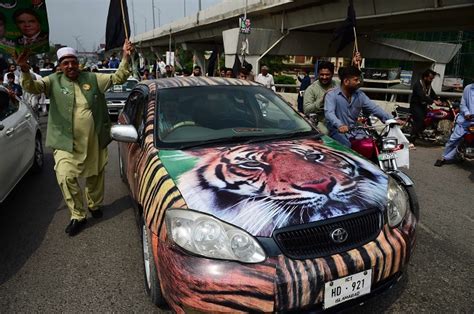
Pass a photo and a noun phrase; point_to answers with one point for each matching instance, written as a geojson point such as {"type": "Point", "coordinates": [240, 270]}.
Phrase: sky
{"type": "Point", "coordinates": [81, 23]}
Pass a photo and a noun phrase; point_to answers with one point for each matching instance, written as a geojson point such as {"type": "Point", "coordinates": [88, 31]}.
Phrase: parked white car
{"type": "Point", "coordinates": [20, 142]}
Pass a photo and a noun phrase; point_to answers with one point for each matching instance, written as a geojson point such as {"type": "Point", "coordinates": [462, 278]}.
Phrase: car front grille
{"type": "Point", "coordinates": [315, 240]}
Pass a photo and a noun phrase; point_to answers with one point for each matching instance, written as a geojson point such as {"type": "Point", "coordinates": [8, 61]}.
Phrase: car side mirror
{"type": "Point", "coordinates": [124, 133]}
{"type": "Point", "coordinates": [313, 118]}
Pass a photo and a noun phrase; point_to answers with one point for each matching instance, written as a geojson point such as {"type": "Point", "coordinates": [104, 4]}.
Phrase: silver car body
{"type": "Point", "coordinates": [18, 133]}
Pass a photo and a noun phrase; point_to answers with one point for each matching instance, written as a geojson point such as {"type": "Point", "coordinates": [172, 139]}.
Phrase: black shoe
{"type": "Point", "coordinates": [439, 163]}
{"type": "Point", "coordinates": [75, 226]}
{"type": "Point", "coordinates": [97, 213]}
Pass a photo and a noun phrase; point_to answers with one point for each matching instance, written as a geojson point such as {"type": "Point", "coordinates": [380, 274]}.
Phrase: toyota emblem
{"type": "Point", "coordinates": [339, 235]}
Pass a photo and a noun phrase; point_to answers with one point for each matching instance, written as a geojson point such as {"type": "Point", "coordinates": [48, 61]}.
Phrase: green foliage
{"type": "Point", "coordinates": [185, 58]}
{"type": "Point", "coordinates": [284, 79]}
{"type": "Point", "coordinates": [274, 63]}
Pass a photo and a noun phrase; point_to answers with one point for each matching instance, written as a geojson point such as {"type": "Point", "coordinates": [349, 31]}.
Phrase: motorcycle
{"type": "Point", "coordinates": [465, 149]}
{"type": "Point", "coordinates": [388, 147]}
{"type": "Point", "coordinates": [438, 122]}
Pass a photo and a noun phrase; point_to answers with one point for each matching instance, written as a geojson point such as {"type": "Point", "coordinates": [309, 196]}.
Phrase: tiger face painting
{"type": "Point", "coordinates": [263, 187]}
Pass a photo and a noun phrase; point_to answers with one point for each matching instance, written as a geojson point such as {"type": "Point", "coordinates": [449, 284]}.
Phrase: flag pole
{"type": "Point", "coordinates": [355, 39]}
{"type": "Point", "coordinates": [123, 19]}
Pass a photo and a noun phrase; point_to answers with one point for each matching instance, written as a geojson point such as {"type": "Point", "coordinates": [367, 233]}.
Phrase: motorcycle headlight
{"type": "Point", "coordinates": [398, 203]}
{"type": "Point", "coordinates": [389, 143]}
{"type": "Point", "coordinates": [207, 236]}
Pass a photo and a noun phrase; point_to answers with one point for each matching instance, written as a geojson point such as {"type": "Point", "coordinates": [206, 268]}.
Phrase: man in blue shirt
{"type": "Point", "coordinates": [343, 105]}
{"type": "Point", "coordinates": [463, 120]}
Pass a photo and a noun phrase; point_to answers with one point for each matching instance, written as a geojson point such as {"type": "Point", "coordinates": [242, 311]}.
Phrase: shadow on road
{"type": "Point", "coordinates": [383, 301]}
{"type": "Point", "coordinates": [111, 210]}
{"type": "Point", "coordinates": [24, 221]}
{"type": "Point", "coordinates": [469, 167]}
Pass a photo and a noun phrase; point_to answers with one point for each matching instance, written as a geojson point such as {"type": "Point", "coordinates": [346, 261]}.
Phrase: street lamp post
{"type": "Point", "coordinates": [153, 10]}
{"type": "Point", "coordinates": [184, 2]}
{"type": "Point", "coordinates": [159, 17]}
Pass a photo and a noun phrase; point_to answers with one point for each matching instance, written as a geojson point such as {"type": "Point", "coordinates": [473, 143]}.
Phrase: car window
{"type": "Point", "coordinates": [134, 108]}
{"type": "Point", "coordinates": [7, 106]}
{"type": "Point", "coordinates": [122, 88]}
{"type": "Point", "coordinates": [191, 114]}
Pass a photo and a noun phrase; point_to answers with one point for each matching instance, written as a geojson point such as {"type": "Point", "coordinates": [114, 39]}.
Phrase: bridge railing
{"type": "Point", "coordinates": [388, 91]}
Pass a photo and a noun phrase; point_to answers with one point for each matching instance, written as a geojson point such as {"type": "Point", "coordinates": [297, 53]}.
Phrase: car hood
{"type": "Point", "coordinates": [265, 186]}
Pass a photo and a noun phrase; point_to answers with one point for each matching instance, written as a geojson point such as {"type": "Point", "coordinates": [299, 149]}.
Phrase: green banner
{"type": "Point", "coordinates": [23, 25]}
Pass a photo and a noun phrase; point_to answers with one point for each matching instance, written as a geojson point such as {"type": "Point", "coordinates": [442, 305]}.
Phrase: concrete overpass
{"type": "Point", "coordinates": [305, 27]}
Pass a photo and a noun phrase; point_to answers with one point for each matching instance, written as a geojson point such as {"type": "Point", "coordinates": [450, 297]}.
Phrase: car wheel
{"type": "Point", "coordinates": [38, 158]}
{"type": "Point", "coordinates": [152, 282]}
{"type": "Point", "coordinates": [407, 128]}
{"type": "Point", "coordinates": [415, 207]}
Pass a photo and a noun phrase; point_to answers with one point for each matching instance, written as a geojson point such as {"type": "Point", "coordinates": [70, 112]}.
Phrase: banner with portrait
{"type": "Point", "coordinates": [23, 24]}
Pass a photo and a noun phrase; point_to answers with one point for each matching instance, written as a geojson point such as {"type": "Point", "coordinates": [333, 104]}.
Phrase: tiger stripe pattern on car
{"type": "Point", "coordinates": [300, 283]}
{"type": "Point", "coordinates": [279, 283]}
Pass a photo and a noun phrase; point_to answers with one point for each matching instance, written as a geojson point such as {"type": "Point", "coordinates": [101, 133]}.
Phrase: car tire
{"type": "Point", "coordinates": [38, 156]}
{"type": "Point", "coordinates": [414, 205]}
{"type": "Point", "coordinates": [152, 282]}
{"type": "Point", "coordinates": [407, 128]}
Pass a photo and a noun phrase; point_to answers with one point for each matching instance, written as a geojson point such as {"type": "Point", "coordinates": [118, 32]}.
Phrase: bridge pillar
{"type": "Point", "coordinates": [255, 45]}
{"type": "Point", "coordinates": [437, 83]}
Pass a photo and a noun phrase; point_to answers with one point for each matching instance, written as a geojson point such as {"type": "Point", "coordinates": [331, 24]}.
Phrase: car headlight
{"type": "Point", "coordinates": [389, 143]}
{"type": "Point", "coordinates": [398, 203]}
{"type": "Point", "coordinates": [205, 235]}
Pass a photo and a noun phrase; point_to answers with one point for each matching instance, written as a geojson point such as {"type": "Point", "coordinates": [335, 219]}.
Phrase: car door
{"type": "Point", "coordinates": [134, 112]}
{"type": "Point", "coordinates": [16, 146]}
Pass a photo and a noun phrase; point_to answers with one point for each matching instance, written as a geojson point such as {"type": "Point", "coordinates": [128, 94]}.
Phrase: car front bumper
{"type": "Point", "coordinates": [192, 283]}
{"type": "Point", "coordinates": [114, 108]}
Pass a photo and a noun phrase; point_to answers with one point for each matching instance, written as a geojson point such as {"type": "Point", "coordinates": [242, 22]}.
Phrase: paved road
{"type": "Point", "coordinates": [43, 270]}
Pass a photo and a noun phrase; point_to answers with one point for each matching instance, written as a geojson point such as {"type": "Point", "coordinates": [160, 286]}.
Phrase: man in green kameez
{"type": "Point", "coordinates": [78, 128]}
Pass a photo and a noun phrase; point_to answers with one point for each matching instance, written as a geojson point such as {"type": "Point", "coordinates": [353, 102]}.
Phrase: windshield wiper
{"type": "Point", "coordinates": [288, 135]}
{"type": "Point", "coordinates": [225, 140]}
{"type": "Point", "coordinates": [252, 139]}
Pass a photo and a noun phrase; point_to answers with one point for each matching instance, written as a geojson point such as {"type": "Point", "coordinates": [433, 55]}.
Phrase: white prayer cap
{"type": "Point", "coordinates": [66, 52]}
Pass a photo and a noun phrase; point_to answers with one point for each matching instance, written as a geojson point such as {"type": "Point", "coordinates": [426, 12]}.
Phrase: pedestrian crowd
{"type": "Point", "coordinates": [79, 126]}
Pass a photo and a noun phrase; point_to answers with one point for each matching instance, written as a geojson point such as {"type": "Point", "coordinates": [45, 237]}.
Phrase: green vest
{"type": "Point", "coordinates": [62, 99]}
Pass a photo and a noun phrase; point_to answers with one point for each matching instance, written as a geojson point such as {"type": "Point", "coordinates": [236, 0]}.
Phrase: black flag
{"type": "Point", "coordinates": [118, 26]}
{"type": "Point", "coordinates": [237, 66]}
{"type": "Point", "coordinates": [346, 31]}
{"type": "Point", "coordinates": [212, 63]}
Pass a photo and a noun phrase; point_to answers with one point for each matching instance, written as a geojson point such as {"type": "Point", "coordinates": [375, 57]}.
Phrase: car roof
{"type": "Point", "coordinates": [191, 81]}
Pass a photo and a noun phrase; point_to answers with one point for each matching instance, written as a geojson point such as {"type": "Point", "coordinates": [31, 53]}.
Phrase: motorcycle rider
{"type": "Point", "coordinates": [343, 105]}
{"type": "Point", "coordinates": [422, 96]}
{"type": "Point", "coordinates": [466, 114]}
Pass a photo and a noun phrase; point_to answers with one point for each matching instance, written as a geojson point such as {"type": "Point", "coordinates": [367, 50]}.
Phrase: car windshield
{"type": "Point", "coordinates": [125, 87]}
{"type": "Point", "coordinates": [193, 116]}
{"type": "Point", "coordinates": [45, 72]}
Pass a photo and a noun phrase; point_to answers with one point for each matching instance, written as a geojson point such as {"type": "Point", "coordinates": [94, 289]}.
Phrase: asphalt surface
{"type": "Point", "coordinates": [99, 270]}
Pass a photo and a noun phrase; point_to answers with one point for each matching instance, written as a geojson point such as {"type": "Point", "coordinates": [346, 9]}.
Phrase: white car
{"type": "Point", "coordinates": [20, 142]}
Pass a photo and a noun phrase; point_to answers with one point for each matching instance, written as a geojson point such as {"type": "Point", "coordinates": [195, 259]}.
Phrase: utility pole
{"type": "Point", "coordinates": [184, 2]}
{"type": "Point", "coordinates": [153, 9]}
{"type": "Point", "coordinates": [199, 5]}
{"type": "Point", "coordinates": [159, 17]}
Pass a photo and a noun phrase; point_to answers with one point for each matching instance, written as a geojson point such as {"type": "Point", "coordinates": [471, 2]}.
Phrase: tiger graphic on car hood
{"type": "Point", "coordinates": [265, 186]}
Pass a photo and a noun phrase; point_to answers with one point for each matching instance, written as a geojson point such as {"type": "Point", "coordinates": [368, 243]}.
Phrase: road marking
{"type": "Point", "coordinates": [429, 231]}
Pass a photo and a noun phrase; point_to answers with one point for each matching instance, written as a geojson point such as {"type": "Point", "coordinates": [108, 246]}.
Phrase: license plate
{"type": "Point", "coordinates": [347, 288]}
{"type": "Point", "coordinates": [387, 156]}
